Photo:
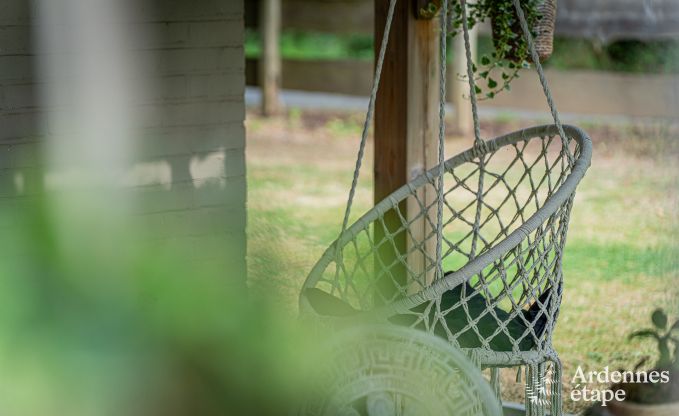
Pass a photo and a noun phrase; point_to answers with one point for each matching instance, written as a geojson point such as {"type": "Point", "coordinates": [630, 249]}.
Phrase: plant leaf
{"type": "Point", "coordinates": [675, 325]}
{"type": "Point", "coordinates": [644, 333]}
{"type": "Point", "coordinates": [477, 89]}
{"type": "Point", "coordinates": [659, 318]}
{"type": "Point", "coordinates": [485, 60]}
{"type": "Point", "coordinates": [492, 83]}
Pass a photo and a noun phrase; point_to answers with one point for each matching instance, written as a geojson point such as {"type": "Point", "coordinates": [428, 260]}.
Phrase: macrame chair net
{"type": "Point", "coordinates": [472, 249]}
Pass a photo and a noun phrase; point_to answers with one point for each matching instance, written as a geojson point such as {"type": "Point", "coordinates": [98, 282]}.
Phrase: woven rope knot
{"type": "Point", "coordinates": [480, 148]}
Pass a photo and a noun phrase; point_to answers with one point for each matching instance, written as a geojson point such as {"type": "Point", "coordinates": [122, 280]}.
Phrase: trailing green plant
{"type": "Point", "coordinates": [496, 70]}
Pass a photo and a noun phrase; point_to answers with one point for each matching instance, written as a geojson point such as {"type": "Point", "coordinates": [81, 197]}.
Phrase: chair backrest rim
{"type": "Point", "coordinates": [476, 265]}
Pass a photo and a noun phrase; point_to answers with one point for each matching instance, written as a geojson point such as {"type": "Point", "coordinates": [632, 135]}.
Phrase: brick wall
{"type": "Point", "coordinates": [188, 170]}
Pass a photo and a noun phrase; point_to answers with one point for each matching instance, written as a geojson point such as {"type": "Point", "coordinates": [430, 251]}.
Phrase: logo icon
{"type": "Point", "coordinates": [538, 392]}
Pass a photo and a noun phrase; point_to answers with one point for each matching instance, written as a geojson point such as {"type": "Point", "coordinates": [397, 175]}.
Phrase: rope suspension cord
{"type": "Point", "coordinates": [366, 124]}
{"type": "Point", "coordinates": [538, 67]}
{"type": "Point", "coordinates": [543, 81]}
{"type": "Point", "coordinates": [478, 141]}
{"type": "Point", "coordinates": [368, 121]}
{"type": "Point", "coordinates": [470, 75]}
{"type": "Point", "coordinates": [442, 138]}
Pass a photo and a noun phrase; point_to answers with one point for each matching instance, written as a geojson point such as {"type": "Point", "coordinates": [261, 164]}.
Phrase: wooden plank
{"type": "Point", "coordinates": [270, 70]}
{"type": "Point", "coordinates": [390, 155]}
{"type": "Point", "coordinates": [405, 129]}
{"type": "Point", "coordinates": [422, 139]}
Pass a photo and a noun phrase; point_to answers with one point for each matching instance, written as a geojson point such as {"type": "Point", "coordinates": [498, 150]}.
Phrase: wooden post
{"type": "Point", "coordinates": [406, 128]}
{"type": "Point", "coordinates": [458, 85]}
{"type": "Point", "coordinates": [270, 62]}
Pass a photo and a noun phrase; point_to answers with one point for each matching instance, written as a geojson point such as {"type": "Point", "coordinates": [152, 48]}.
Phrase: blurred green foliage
{"type": "Point", "coordinates": [304, 45]}
{"type": "Point", "coordinates": [638, 56]}
{"type": "Point", "coordinates": [93, 322]}
{"type": "Point", "coordinates": [634, 56]}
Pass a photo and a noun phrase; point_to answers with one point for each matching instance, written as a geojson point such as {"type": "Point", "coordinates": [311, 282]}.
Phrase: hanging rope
{"type": "Point", "coordinates": [470, 76]}
{"type": "Point", "coordinates": [479, 144]}
{"type": "Point", "coordinates": [442, 139]}
{"type": "Point", "coordinates": [368, 120]}
{"type": "Point", "coordinates": [541, 74]}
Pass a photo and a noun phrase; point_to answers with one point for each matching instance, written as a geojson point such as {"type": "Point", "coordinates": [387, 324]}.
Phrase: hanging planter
{"type": "Point", "coordinates": [495, 71]}
{"type": "Point", "coordinates": [506, 29]}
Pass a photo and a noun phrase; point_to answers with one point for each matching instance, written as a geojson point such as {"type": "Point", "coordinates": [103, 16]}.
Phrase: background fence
{"type": "Point", "coordinates": [602, 21]}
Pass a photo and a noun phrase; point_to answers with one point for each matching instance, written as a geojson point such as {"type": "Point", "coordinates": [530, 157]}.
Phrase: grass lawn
{"type": "Point", "coordinates": [621, 256]}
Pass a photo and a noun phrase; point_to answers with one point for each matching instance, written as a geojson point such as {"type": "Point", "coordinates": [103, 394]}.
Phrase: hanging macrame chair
{"type": "Point", "coordinates": [486, 275]}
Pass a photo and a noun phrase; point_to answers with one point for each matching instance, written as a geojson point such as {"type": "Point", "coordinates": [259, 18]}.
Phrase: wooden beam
{"type": "Point", "coordinates": [270, 68]}
{"type": "Point", "coordinates": [422, 137]}
{"type": "Point", "coordinates": [406, 115]}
